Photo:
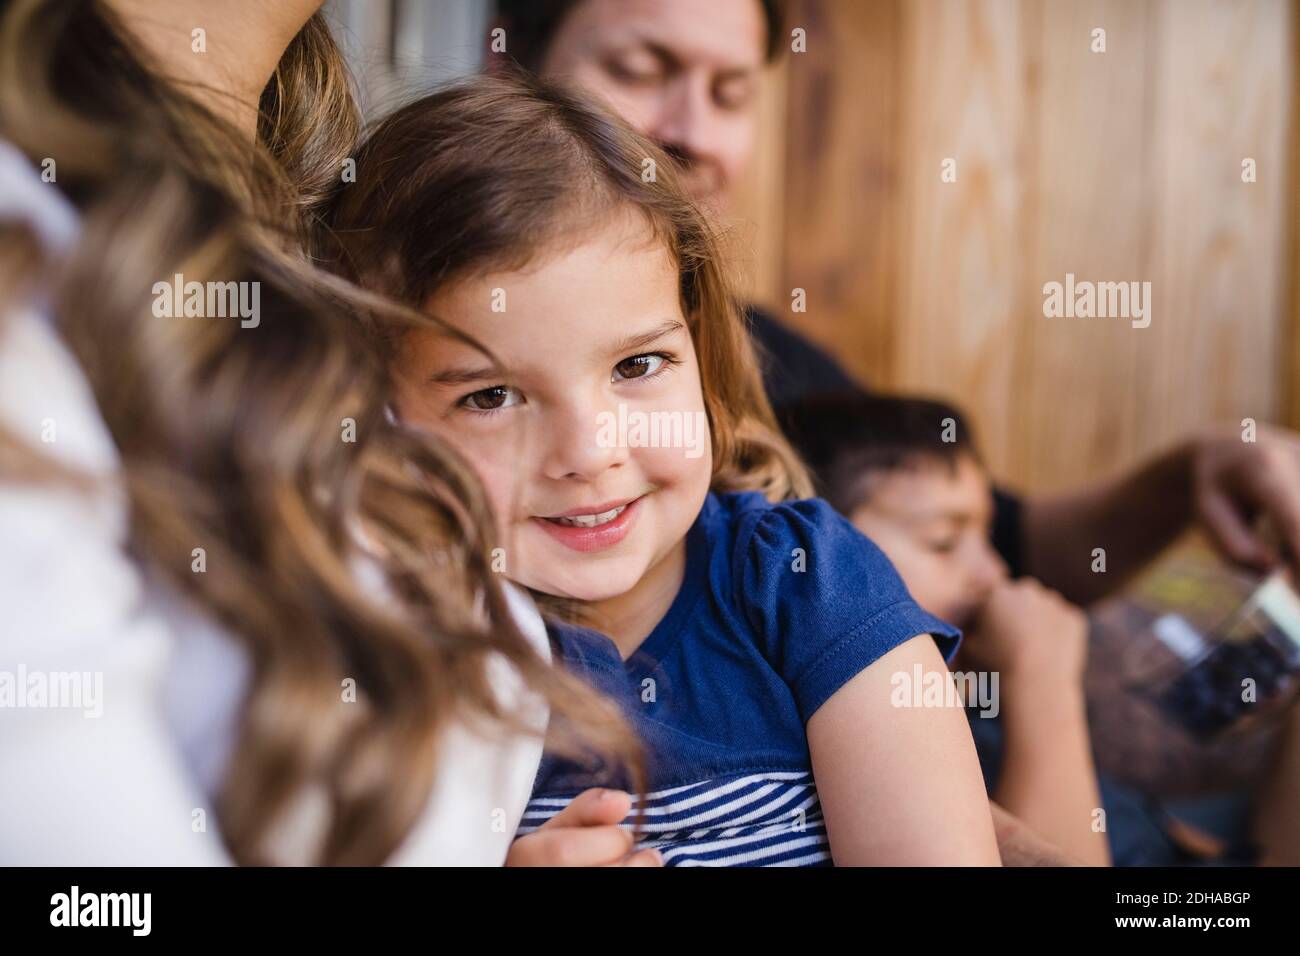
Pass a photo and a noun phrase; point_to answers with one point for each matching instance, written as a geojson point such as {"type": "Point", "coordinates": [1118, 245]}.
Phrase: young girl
{"type": "Point", "coordinates": [615, 414]}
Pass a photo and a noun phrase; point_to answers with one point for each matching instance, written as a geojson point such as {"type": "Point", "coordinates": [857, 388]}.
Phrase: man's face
{"type": "Point", "coordinates": [683, 72]}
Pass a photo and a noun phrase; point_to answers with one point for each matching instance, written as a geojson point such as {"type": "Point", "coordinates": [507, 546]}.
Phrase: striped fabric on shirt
{"type": "Point", "coordinates": [762, 819]}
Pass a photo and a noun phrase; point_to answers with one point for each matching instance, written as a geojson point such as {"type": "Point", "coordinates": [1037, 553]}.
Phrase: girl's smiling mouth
{"type": "Point", "coordinates": [594, 527]}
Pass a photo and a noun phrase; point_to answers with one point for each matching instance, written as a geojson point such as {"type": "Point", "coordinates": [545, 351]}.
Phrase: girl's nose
{"type": "Point", "coordinates": [580, 444]}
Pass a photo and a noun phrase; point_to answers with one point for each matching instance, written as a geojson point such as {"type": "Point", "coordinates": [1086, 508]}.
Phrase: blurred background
{"type": "Point", "coordinates": [1116, 166]}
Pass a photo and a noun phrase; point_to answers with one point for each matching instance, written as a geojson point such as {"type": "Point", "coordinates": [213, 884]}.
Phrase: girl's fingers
{"type": "Point", "coordinates": [595, 807]}
{"type": "Point", "coordinates": [648, 857]}
{"type": "Point", "coordinates": [573, 846]}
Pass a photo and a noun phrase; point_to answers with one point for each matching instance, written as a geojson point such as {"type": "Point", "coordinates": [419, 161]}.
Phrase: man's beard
{"type": "Point", "coordinates": [702, 181]}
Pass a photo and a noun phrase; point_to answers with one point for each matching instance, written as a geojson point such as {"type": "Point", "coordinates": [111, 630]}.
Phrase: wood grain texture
{"type": "Point", "coordinates": [842, 197]}
{"type": "Point", "coordinates": [1091, 201]}
{"type": "Point", "coordinates": [1217, 246]}
{"type": "Point", "coordinates": [963, 263]}
{"type": "Point", "coordinates": [1116, 166]}
{"type": "Point", "coordinates": [756, 225]}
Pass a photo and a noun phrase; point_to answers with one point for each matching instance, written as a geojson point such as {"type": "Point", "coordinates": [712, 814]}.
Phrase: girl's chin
{"type": "Point", "coordinates": [590, 589]}
{"type": "Point", "coordinates": [588, 593]}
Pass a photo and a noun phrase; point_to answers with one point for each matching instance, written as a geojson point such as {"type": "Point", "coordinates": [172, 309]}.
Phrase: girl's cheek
{"type": "Point", "coordinates": [504, 488]}
{"type": "Point", "coordinates": [487, 452]}
{"type": "Point", "coordinates": [684, 451]}
{"type": "Point", "coordinates": [409, 409]}
{"type": "Point", "coordinates": [496, 464]}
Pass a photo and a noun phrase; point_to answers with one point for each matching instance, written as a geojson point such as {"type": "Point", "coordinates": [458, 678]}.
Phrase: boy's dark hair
{"type": "Point", "coordinates": [847, 438]}
{"type": "Point", "coordinates": [532, 25]}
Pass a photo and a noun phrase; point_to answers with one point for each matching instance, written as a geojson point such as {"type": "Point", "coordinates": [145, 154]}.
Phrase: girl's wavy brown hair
{"type": "Point", "coordinates": [493, 171]}
{"type": "Point", "coordinates": [232, 439]}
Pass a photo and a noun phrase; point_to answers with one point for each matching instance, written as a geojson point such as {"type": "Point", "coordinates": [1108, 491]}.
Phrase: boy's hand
{"type": "Point", "coordinates": [585, 833]}
{"type": "Point", "coordinates": [1028, 630]}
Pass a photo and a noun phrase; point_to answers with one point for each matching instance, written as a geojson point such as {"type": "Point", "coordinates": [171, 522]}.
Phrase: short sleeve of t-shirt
{"type": "Point", "coordinates": [824, 602]}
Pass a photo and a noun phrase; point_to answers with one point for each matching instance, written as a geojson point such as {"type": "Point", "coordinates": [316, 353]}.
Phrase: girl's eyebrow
{"type": "Point", "coordinates": [462, 375]}
{"type": "Point", "coordinates": [634, 342]}
{"type": "Point", "coordinates": [465, 374]}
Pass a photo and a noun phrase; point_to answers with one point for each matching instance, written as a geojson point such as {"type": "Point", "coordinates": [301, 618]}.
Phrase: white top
{"type": "Point", "coordinates": [125, 770]}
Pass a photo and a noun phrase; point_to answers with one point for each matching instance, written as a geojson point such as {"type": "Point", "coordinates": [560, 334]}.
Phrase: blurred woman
{"type": "Point", "coordinates": [246, 616]}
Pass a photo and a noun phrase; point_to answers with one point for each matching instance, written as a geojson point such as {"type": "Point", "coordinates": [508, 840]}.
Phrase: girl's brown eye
{"type": "Point", "coordinates": [490, 399]}
{"type": "Point", "coordinates": [638, 366]}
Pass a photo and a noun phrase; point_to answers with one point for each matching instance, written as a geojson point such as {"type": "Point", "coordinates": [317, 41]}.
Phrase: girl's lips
{"type": "Point", "coordinates": [599, 538]}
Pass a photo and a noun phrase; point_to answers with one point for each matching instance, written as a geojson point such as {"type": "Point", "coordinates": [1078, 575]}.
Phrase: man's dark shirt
{"type": "Point", "coordinates": [795, 370]}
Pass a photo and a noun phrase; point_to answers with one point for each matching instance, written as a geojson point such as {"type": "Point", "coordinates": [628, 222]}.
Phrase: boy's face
{"type": "Point", "coordinates": [682, 72]}
{"type": "Point", "coordinates": [586, 503]}
{"type": "Point", "coordinates": [932, 521]}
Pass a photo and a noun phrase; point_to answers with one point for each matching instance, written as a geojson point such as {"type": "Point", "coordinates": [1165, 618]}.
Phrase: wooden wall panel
{"type": "Point", "coordinates": [1115, 166]}
{"type": "Point", "coordinates": [963, 267]}
{"type": "Point", "coordinates": [841, 198]}
{"type": "Point", "coordinates": [1218, 244]}
{"type": "Point", "coordinates": [1092, 187]}
{"type": "Point", "coordinates": [1289, 353]}
{"type": "Point", "coordinates": [757, 224]}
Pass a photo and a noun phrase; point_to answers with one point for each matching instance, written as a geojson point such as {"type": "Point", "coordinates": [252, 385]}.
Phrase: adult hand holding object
{"type": "Point", "coordinates": [1234, 482]}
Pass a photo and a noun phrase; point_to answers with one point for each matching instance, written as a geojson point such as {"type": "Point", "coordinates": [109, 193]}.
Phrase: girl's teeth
{"type": "Point", "coordinates": [590, 521]}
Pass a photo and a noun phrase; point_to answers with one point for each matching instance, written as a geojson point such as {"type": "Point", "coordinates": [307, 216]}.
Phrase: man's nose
{"type": "Point", "coordinates": [685, 122]}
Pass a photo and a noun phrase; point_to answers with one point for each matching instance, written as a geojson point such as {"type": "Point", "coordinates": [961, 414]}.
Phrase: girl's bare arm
{"type": "Point", "coordinates": [900, 786]}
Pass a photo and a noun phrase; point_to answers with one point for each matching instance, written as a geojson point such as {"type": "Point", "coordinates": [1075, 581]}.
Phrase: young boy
{"type": "Point", "coordinates": [907, 474]}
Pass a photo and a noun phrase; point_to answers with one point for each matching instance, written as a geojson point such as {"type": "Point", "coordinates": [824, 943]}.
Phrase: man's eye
{"type": "Point", "coordinates": [734, 94]}
{"type": "Point", "coordinates": [636, 69]}
{"type": "Point", "coordinates": [638, 366]}
{"type": "Point", "coordinates": [491, 399]}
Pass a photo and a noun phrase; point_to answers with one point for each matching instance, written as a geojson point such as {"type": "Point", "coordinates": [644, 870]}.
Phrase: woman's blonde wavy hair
{"type": "Point", "coordinates": [489, 172]}
{"type": "Point", "coordinates": [231, 439]}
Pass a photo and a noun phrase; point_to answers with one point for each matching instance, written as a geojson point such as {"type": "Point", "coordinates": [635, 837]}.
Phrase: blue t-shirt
{"type": "Point", "coordinates": [780, 606]}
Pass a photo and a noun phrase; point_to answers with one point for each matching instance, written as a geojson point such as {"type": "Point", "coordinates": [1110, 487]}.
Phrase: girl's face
{"type": "Point", "coordinates": [589, 496]}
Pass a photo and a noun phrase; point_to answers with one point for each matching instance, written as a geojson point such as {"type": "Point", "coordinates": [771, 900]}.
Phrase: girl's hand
{"type": "Point", "coordinates": [1030, 631]}
{"type": "Point", "coordinates": [585, 833]}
